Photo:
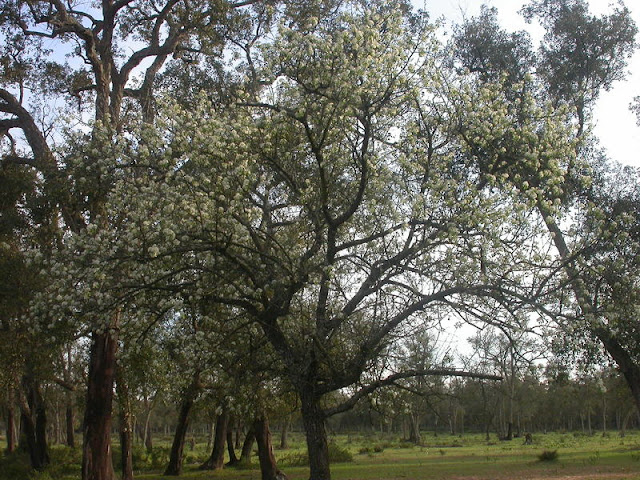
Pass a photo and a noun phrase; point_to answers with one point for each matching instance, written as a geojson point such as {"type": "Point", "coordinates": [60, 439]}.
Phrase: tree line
{"type": "Point", "coordinates": [265, 201]}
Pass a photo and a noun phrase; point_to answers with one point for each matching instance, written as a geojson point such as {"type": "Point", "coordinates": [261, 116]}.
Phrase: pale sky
{"type": "Point", "coordinates": [615, 124]}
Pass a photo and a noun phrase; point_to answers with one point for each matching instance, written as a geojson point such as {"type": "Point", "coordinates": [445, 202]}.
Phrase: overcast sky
{"type": "Point", "coordinates": [615, 123]}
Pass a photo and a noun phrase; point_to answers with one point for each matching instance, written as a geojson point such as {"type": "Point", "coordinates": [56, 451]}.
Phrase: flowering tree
{"type": "Point", "coordinates": [581, 55]}
{"type": "Point", "coordinates": [335, 205]}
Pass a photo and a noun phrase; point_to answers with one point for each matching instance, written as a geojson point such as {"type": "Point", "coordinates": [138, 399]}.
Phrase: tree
{"type": "Point", "coordinates": [580, 56]}
{"type": "Point", "coordinates": [342, 208]}
{"type": "Point", "coordinates": [101, 79]}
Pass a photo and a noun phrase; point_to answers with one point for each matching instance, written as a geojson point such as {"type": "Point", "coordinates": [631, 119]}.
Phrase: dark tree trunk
{"type": "Point", "coordinates": [316, 434]}
{"type": "Point", "coordinates": [268, 467]}
{"type": "Point", "coordinates": [33, 424]}
{"type": "Point", "coordinates": [284, 434]}
{"type": "Point", "coordinates": [96, 448]}
{"type": "Point", "coordinates": [216, 460]}
{"type": "Point", "coordinates": [177, 448]}
{"type": "Point", "coordinates": [233, 460]}
{"type": "Point", "coordinates": [247, 447]}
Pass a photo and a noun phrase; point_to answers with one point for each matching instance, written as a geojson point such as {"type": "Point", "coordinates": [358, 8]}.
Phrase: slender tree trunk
{"type": "Point", "coordinates": [233, 460]}
{"type": "Point", "coordinates": [96, 449]}
{"type": "Point", "coordinates": [11, 425]}
{"type": "Point", "coordinates": [604, 415]}
{"type": "Point", "coordinates": [212, 432]}
{"type": "Point", "coordinates": [247, 446]}
{"type": "Point", "coordinates": [126, 431]}
{"type": "Point", "coordinates": [216, 460]}
{"type": "Point", "coordinates": [268, 468]}
{"type": "Point", "coordinates": [316, 435]}
{"type": "Point", "coordinates": [148, 438]}
{"type": "Point", "coordinates": [69, 422]}
{"type": "Point", "coordinates": [238, 445]}
{"type": "Point", "coordinates": [177, 448]}
{"type": "Point", "coordinates": [148, 441]}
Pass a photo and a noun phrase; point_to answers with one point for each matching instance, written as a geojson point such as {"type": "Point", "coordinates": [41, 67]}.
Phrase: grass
{"type": "Point", "coordinates": [383, 457]}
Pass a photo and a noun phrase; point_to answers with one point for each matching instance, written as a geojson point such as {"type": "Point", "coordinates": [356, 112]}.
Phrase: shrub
{"type": "Point", "coordinates": [548, 456]}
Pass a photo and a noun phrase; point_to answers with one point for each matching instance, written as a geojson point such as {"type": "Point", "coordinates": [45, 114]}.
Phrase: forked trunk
{"type": "Point", "coordinates": [96, 448]}
{"type": "Point", "coordinates": [268, 468]}
{"type": "Point", "coordinates": [216, 460]}
{"type": "Point", "coordinates": [316, 434]}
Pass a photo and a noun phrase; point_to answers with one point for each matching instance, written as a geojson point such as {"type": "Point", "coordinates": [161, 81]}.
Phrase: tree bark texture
{"type": "Point", "coordinates": [268, 468]}
{"type": "Point", "coordinates": [216, 460]}
{"type": "Point", "coordinates": [247, 446]}
{"type": "Point", "coordinates": [313, 419]}
{"type": "Point", "coordinates": [96, 449]}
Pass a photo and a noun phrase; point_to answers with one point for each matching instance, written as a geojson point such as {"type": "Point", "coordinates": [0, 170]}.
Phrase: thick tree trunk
{"type": "Point", "coordinates": [216, 460]}
{"type": "Point", "coordinates": [247, 447]}
{"type": "Point", "coordinates": [316, 434]}
{"type": "Point", "coordinates": [96, 448]}
{"type": "Point", "coordinates": [268, 467]}
{"type": "Point", "coordinates": [177, 448]}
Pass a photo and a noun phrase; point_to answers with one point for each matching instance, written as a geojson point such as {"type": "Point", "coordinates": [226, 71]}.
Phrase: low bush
{"type": "Point", "coordinates": [548, 456]}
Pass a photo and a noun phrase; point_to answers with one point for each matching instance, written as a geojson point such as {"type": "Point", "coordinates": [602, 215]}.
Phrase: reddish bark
{"type": "Point", "coordinates": [268, 467]}
{"type": "Point", "coordinates": [96, 449]}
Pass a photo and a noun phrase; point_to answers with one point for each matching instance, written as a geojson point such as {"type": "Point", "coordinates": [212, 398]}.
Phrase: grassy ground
{"type": "Point", "coordinates": [468, 457]}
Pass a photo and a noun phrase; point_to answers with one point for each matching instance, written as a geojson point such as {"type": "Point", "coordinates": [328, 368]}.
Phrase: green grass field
{"type": "Point", "coordinates": [579, 457]}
